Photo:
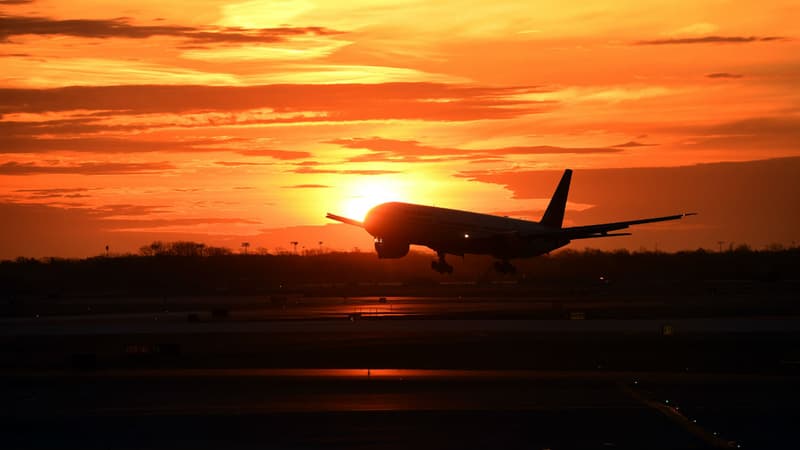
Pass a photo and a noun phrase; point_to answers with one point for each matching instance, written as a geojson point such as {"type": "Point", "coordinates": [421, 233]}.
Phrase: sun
{"type": "Point", "coordinates": [362, 195]}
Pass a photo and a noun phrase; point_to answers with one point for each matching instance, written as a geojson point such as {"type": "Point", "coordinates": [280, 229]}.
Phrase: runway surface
{"type": "Point", "coordinates": [387, 408]}
{"type": "Point", "coordinates": [373, 314]}
{"type": "Point", "coordinates": [426, 373]}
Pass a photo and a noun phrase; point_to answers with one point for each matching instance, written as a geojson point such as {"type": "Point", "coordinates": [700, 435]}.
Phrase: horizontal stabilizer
{"type": "Point", "coordinates": [604, 229]}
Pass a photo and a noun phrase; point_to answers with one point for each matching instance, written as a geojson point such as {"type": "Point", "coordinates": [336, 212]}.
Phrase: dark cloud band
{"type": "Point", "coordinates": [122, 28]}
{"type": "Point", "coordinates": [712, 40]}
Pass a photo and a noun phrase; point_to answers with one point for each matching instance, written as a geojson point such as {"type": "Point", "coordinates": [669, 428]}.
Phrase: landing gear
{"type": "Point", "coordinates": [504, 267]}
{"type": "Point", "coordinates": [441, 265]}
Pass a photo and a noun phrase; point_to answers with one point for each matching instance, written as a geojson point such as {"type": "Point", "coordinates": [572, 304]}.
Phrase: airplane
{"type": "Point", "coordinates": [396, 226]}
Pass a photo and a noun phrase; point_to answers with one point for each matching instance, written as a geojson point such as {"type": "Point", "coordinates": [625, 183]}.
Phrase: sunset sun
{"type": "Point", "coordinates": [366, 194]}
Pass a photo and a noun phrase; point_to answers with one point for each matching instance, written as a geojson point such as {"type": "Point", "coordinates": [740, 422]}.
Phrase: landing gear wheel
{"type": "Point", "coordinates": [505, 267]}
{"type": "Point", "coordinates": [441, 265]}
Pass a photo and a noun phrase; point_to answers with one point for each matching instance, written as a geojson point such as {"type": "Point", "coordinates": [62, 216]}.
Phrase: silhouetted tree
{"type": "Point", "coordinates": [187, 248]}
{"type": "Point", "coordinates": [217, 251]}
{"type": "Point", "coordinates": [156, 248]}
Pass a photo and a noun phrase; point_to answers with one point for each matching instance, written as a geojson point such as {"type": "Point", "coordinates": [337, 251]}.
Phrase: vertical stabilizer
{"type": "Point", "coordinates": [554, 214]}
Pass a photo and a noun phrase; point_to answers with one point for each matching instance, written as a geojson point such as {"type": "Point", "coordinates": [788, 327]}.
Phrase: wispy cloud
{"type": "Point", "coordinates": [307, 186]}
{"type": "Point", "coordinates": [711, 40]}
{"type": "Point", "coordinates": [122, 28]}
{"type": "Point", "coordinates": [16, 168]}
{"type": "Point", "coordinates": [723, 75]}
{"type": "Point", "coordinates": [632, 144]}
{"type": "Point", "coordinates": [276, 154]}
{"type": "Point", "coordinates": [54, 193]}
{"type": "Point", "coordinates": [240, 163]}
{"type": "Point", "coordinates": [431, 101]}
{"type": "Point", "coordinates": [314, 170]}
{"type": "Point", "coordinates": [758, 133]}
{"type": "Point", "coordinates": [394, 150]}
{"type": "Point", "coordinates": [141, 224]}
{"type": "Point", "coordinates": [11, 144]}
{"type": "Point", "coordinates": [126, 209]}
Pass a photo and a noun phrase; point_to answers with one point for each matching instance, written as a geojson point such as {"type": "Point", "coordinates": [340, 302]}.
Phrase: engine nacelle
{"type": "Point", "coordinates": [391, 249]}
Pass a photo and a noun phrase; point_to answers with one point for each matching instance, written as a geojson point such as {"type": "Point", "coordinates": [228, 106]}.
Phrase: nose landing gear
{"type": "Point", "coordinates": [441, 265]}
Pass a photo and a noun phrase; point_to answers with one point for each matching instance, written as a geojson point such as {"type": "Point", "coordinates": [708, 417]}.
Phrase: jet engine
{"type": "Point", "coordinates": [390, 248]}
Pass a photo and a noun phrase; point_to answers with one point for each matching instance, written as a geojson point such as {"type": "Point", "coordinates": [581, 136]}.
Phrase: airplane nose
{"type": "Point", "coordinates": [376, 220]}
{"type": "Point", "coordinates": [370, 221]}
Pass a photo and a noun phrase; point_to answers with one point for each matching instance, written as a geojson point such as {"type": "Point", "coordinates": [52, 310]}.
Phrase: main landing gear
{"type": "Point", "coordinates": [441, 265]}
{"type": "Point", "coordinates": [504, 267]}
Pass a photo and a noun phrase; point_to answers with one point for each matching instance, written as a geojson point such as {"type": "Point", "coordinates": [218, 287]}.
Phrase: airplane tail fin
{"type": "Point", "coordinates": [554, 214]}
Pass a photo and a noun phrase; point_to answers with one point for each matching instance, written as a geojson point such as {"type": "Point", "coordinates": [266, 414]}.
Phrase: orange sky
{"type": "Point", "coordinates": [222, 121]}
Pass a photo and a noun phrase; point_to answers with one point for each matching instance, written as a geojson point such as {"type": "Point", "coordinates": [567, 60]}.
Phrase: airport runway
{"type": "Point", "coordinates": [435, 373]}
{"type": "Point", "coordinates": [503, 305]}
{"type": "Point", "coordinates": [178, 325]}
{"type": "Point", "coordinates": [382, 408]}
{"type": "Point", "coordinates": [386, 315]}
{"type": "Point", "coordinates": [388, 408]}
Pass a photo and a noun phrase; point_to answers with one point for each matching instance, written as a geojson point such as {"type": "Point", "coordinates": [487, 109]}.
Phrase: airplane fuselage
{"type": "Point", "coordinates": [395, 225]}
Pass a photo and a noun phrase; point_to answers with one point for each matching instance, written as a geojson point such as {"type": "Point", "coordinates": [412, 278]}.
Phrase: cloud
{"type": "Point", "coordinates": [724, 75]}
{"type": "Point", "coordinates": [757, 133]}
{"type": "Point", "coordinates": [711, 40]}
{"type": "Point", "coordinates": [240, 163]}
{"type": "Point", "coordinates": [10, 144]}
{"type": "Point", "coordinates": [394, 150]}
{"type": "Point", "coordinates": [125, 209]}
{"type": "Point", "coordinates": [17, 144]}
{"type": "Point", "coordinates": [54, 193]}
{"type": "Point", "coordinates": [141, 224]}
{"type": "Point", "coordinates": [632, 144]}
{"type": "Point", "coordinates": [312, 170]}
{"type": "Point", "coordinates": [746, 202]}
{"type": "Point", "coordinates": [16, 168]}
{"type": "Point", "coordinates": [307, 186]}
{"type": "Point", "coordinates": [28, 229]}
{"type": "Point", "coordinates": [334, 102]}
{"type": "Point", "coordinates": [122, 28]}
{"type": "Point", "coordinates": [276, 154]}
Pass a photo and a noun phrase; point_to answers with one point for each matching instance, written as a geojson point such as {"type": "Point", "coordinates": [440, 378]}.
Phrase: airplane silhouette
{"type": "Point", "coordinates": [396, 226]}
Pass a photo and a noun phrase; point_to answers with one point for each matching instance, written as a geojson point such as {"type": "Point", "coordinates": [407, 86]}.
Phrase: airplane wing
{"type": "Point", "coordinates": [604, 229]}
{"type": "Point", "coordinates": [345, 220]}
